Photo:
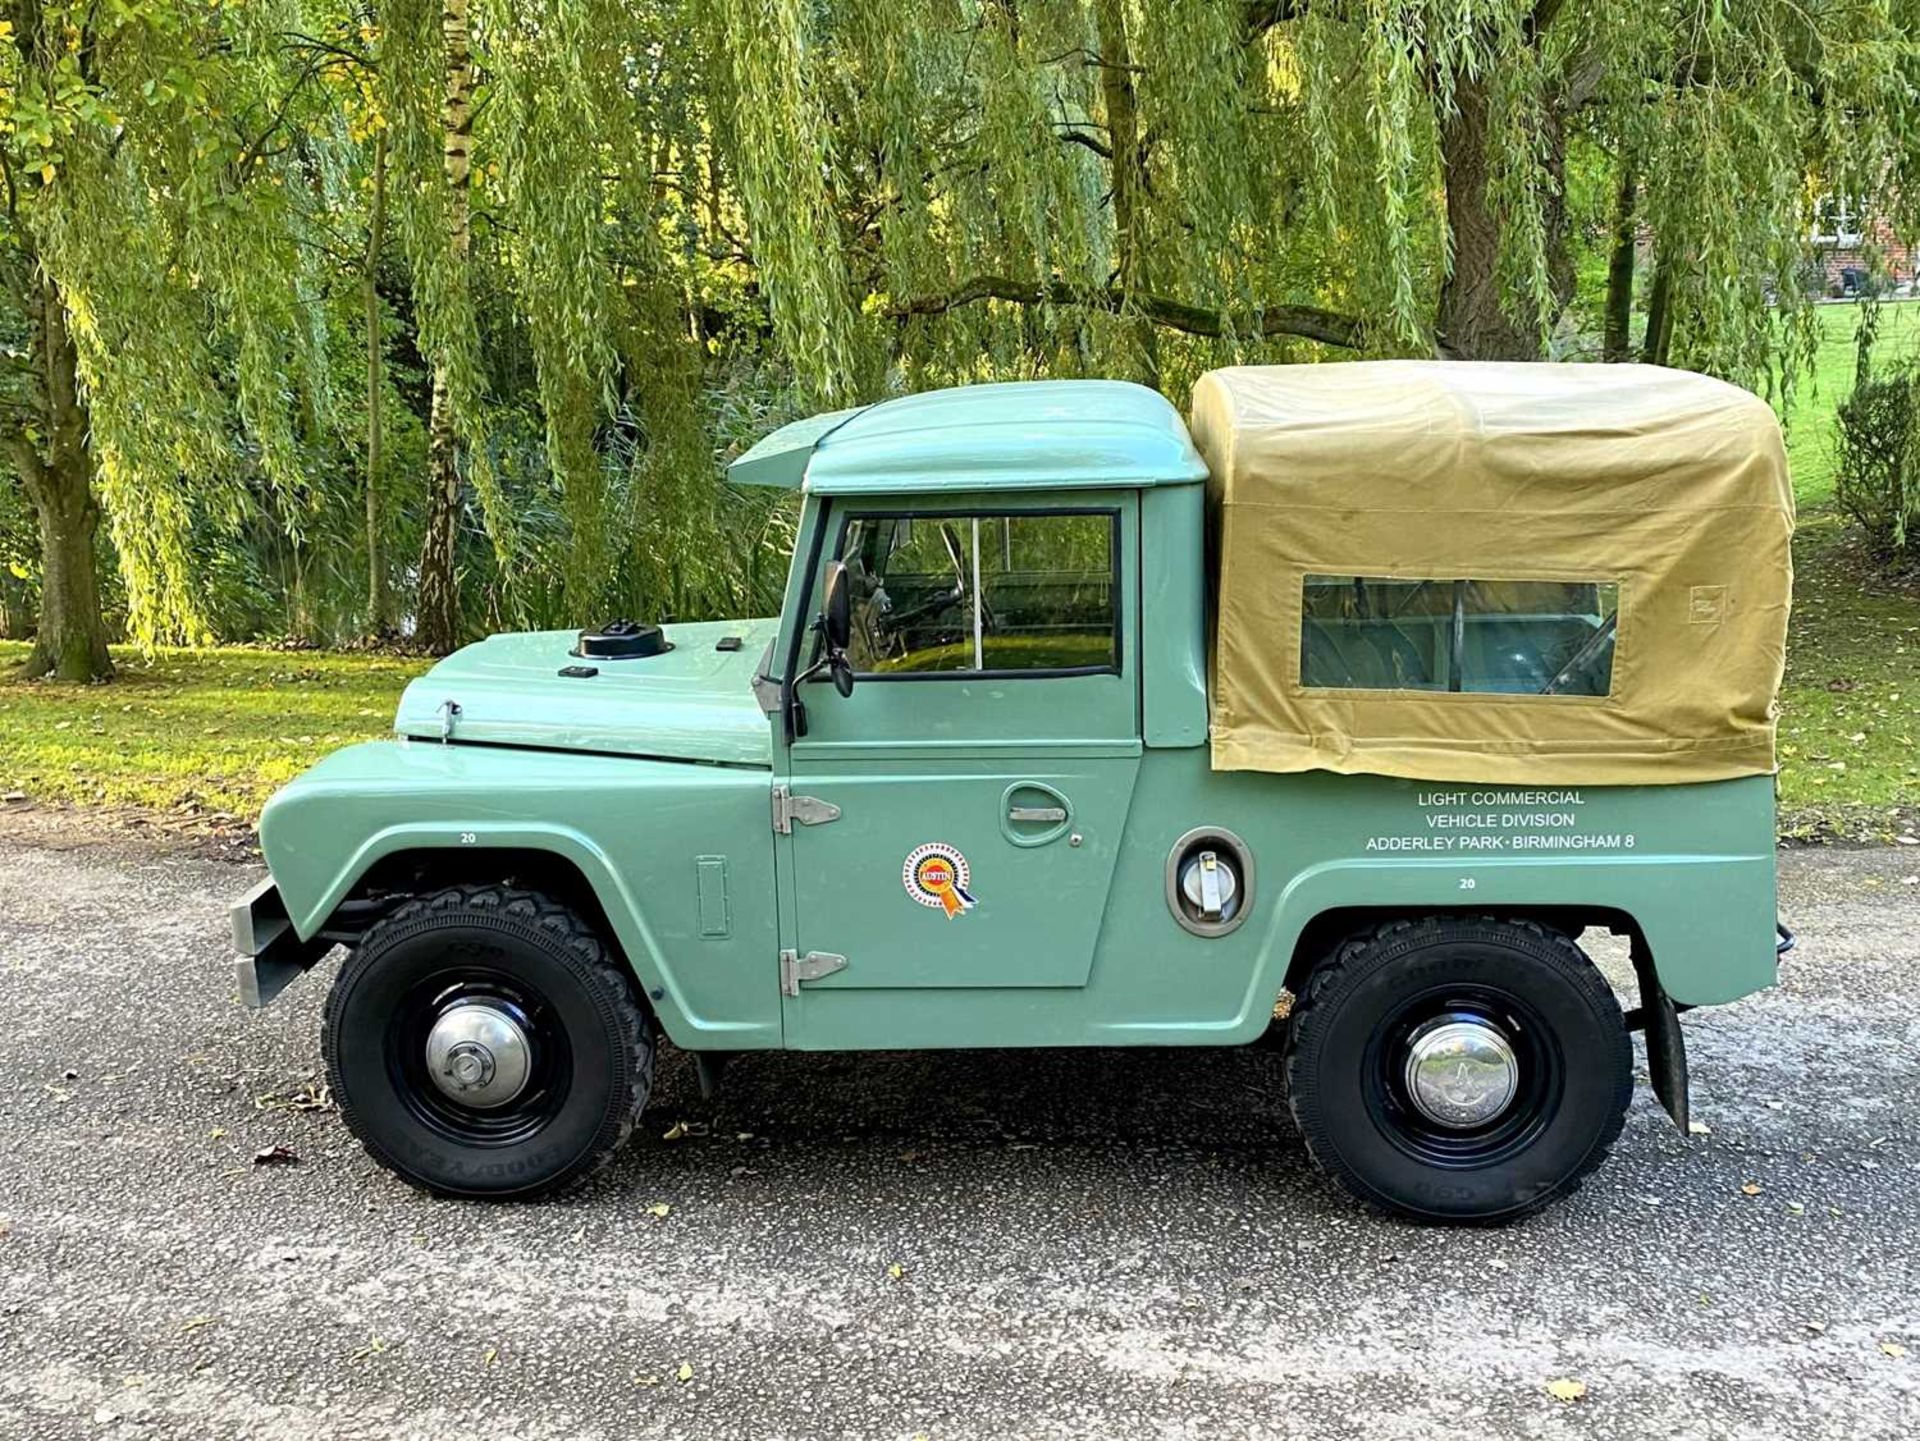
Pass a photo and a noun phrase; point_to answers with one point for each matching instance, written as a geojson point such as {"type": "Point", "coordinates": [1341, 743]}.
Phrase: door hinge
{"type": "Point", "coordinates": [789, 808]}
{"type": "Point", "coordinates": [795, 968]}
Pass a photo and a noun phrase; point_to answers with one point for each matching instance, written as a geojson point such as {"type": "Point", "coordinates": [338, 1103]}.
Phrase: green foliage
{"type": "Point", "coordinates": [1877, 478]}
{"type": "Point", "coordinates": [778, 129]}
{"type": "Point", "coordinates": [151, 178]}
{"type": "Point", "coordinates": [691, 219]}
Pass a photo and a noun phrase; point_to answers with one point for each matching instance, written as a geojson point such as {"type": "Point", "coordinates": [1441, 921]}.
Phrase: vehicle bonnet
{"type": "Point", "coordinates": [693, 701]}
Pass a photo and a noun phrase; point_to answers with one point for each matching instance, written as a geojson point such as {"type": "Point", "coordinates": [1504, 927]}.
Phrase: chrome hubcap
{"type": "Point", "coordinates": [1461, 1071]}
{"type": "Point", "coordinates": [477, 1054]}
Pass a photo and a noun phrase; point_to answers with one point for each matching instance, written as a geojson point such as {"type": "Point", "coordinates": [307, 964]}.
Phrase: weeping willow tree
{"type": "Point", "coordinates": [428, 64]}
{"type": "Point", "coordinates": [416, 317]}
{"type": "Point", "coordinates": [1145, 188]}
{"type": "Point", "coordinates": [153, 189]}
{"type": "Point", "coordinates": [558, 198]}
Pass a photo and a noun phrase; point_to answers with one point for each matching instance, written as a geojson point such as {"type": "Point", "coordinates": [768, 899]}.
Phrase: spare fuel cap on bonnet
{"type": "Point", "coordinates": [621, 640]}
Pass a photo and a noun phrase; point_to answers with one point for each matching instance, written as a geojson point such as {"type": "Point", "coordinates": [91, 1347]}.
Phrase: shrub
{"type": "Point", "coordinates": [1877, 481]}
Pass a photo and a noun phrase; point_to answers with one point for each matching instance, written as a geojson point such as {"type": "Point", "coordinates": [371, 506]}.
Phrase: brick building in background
{"type": "Point", "coordinates": [1845, 252]}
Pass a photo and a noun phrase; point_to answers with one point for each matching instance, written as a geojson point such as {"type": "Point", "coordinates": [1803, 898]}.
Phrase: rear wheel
{"type": "Point", "coordinates": [482, 1042]}
{"type": "Point", "coordinates": [1458, 1070]}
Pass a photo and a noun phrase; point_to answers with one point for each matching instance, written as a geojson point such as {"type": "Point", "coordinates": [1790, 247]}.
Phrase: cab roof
{"type": "Point", "coordinates": [1023, 435]}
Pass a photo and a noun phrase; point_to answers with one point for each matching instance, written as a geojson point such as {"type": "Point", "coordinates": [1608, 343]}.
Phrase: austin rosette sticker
{"type": "Point", "coordinates": [936, 875]}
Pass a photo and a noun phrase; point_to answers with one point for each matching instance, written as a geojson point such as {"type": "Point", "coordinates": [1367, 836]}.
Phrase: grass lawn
{"type": "Point", "coordinates": [1809, 419]}
{"type": "Point", "coordinates": [211, 734]}
{"type": "Point", "coordinates": [1850, 710]}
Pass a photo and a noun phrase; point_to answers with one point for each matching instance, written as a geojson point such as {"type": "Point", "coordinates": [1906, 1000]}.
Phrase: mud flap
{"type": "Point", "coordinates": [708, 1065]}
{"type": "Point", "coordinates": [1666, 1047]}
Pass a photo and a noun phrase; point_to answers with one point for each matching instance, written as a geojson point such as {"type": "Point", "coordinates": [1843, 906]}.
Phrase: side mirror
{"type": "Point", "coordinates": [836, 626]}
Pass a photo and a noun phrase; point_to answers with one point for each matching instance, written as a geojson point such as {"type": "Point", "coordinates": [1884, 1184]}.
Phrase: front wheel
{"type": "Point", "coordinates": [1459, 1070]}
{"type": "Point", "coordinates": [482, 1042]}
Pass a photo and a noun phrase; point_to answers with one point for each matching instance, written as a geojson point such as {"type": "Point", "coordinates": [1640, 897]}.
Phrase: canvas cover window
{"type": "Point", "coordinates": [1457, 571]}
{"type": "Point", "coordinates": [1490, 637]}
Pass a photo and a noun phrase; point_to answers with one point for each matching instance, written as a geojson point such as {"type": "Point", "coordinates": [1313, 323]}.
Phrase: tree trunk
{"type": "Point", "coordinates": [1865, 338]}
{"type": "Point", "coordinates": [1473, 324]}
{"type": "Point", "coordinates": [439, 624]}
{"type": "Point", "coordinates": [1659, 341]}
{"type": "Point", "coordinates": [1129, 170]}
{"type": "Point", "coordinates": [17, 620]}
{"type": "Point", "coordinates": [439, 629]}
{"type": "Point", "coordinates": [1616, 343]}
{"type": "Point", "coordinates": [379, 594]}
{"type": "Point", "coordinates": [57, 473]}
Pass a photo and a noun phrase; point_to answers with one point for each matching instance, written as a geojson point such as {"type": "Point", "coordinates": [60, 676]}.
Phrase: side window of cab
{"type": "Point", "coordinates": [1014, 593]}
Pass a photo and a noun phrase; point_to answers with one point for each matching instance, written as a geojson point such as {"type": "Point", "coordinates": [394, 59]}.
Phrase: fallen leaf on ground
{"type": "Point", "coordinates": [312, 1096]}
{"type": "Point", "coordinates": [660, 1209]}
{"type": "Point", "coordinates": [675, 1132]}
{"type": "Point", "coordinates": [646, 1380]}
{"type": "Point", "coordinates": [276, 1156]}
{"type": "Point", "coordinates": [1752, 1188]}
{"type": "Point", "coordinates": [685, 1373]}
{"type": "Point", "coordinates": [1893, 1349]}
{"type": "Point", "coordinates": [1699, 1128]}
{"type": "Point", "coordinates": [374, 1347]}
{"type": "Point", "coordinates": [1566, 1389]}
{"type": "Point", "coordinates": [897, 1271]}
{"type": "Point", "coordinates": [489, 1356]}
{"type": "Point", "coordinates": [1816, 1327]}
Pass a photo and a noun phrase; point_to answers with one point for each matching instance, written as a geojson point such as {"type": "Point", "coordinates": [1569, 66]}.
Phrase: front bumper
{"type": "Point", "coordinates": [272, 955]}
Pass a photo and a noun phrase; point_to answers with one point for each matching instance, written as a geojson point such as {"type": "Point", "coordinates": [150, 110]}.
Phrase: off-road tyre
{"type": "Point", "coordinates": [1575, 1067]}
{"type": "Point", "coordinates": [598, 1055]}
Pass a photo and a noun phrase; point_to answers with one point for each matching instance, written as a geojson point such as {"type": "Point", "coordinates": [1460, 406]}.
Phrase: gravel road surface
{"type": "Point", "coordinates": [972, 1245]}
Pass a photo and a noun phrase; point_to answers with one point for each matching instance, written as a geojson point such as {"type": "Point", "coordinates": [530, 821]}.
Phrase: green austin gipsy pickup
{"type": "Point", "coordinates": [1378, 685]}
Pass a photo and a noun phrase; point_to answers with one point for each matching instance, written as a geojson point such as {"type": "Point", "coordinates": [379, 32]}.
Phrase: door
{"type": "Point", "coordinates": [983, 764]}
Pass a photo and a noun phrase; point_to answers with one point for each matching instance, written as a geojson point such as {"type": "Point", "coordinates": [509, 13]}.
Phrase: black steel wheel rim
{"type": "Point", "coordinates": [551, 1061]}
{"type": "Point", "coordinates": [1541, 1081]}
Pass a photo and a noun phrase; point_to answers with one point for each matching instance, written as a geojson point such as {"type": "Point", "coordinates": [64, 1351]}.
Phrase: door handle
{"type": "Point", "coordinates": [1026, 820]}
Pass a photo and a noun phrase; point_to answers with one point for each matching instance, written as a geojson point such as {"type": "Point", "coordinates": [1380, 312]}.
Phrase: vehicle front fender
{"type": "Point", "coordinates": [679, 857]}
